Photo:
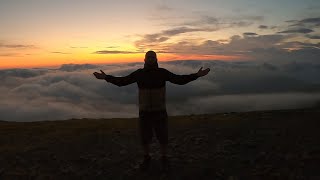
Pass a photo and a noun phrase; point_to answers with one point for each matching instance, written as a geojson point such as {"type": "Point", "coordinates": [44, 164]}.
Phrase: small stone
{"type": "Point", "coordinates": [305, 155]}
{"type": "Point", "coordinates": [232, 178]}
{"type": "Point", "coordinates": [123, 151]}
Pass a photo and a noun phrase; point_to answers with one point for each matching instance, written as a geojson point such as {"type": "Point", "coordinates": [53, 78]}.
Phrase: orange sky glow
{"type": "Point", "coordinates": [56, 59]}
{"type": "Point", "coordinates": [45, 33]}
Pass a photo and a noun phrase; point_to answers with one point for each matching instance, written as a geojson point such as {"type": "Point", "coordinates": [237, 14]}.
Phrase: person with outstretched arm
{"type": "Point", "coordinates": [153, 116]}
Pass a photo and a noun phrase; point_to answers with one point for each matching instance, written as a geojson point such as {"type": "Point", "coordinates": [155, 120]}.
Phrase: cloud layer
{"type": "Point", "coordinates": [294, 39]}
{"type": "Point", "coordinates": [72, 91]}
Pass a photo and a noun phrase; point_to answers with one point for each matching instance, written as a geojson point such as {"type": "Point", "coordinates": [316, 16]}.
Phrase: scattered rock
{"type": "Point", "coordinates": [232, 178]}
{"type": "Point", "coordinates": [122, 152]}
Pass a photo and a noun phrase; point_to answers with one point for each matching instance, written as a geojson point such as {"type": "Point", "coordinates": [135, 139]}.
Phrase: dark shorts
{"type": "Point", "coordinates": [153, 121]}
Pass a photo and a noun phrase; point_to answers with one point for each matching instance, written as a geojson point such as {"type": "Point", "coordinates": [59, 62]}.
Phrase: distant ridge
{"type": "Point", "coordinates": [315, 107]}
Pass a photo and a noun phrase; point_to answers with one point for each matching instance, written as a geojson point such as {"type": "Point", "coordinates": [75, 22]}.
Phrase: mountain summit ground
{"type": "Point", "coordinates": [282, 144]}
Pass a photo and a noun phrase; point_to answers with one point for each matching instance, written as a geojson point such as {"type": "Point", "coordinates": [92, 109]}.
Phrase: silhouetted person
{"type": "Point", "coordinates": [152, 101]}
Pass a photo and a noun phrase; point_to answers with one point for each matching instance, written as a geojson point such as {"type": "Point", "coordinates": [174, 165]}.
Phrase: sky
{"type": "Point", "coordinates": [263, 55]}
{"type": "Point", "coordinates": [46, 33]}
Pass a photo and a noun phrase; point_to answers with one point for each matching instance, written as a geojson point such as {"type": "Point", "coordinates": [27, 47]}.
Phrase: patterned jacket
{"type": "Point", "coordinates": [152, 86]}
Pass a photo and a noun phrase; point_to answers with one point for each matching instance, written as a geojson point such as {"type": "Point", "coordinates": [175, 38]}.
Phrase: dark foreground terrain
{"type": "Point", "coordinates": [282, 144]}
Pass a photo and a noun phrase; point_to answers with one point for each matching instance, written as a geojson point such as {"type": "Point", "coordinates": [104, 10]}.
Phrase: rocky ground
{"type": "Point", "coordinates": [280, 144]}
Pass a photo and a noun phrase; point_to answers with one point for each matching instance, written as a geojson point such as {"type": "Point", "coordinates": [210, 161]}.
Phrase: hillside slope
{"type": "Point", "coordinates": [251, 145]}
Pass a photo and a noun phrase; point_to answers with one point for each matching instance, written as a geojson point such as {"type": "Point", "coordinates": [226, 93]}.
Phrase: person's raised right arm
{"type": "Point", "coordinates": [119, 81]}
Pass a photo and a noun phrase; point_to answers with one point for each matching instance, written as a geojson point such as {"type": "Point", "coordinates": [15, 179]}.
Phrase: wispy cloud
{"type": "Point", "coordinates": [223, 23]}
{"type": "Point", "coordinates": [308, 22]}
{"type": "Point", "coordinates": [237, 45]}
{"type": "Point", "coordinates": [313, 36]}
{"type": "Point", "coordinates": [298, 30]}
{"type": "Point", "coordinates": [78, 47]}
{"type": "Point", "coordinates": [249, 34]}
{"type": "Point", "coordinates": [276, 45]}
{"type": "Point", "coordinates": [115, 52]}
{"type": "Point", "coordinates": [16, 46]}
{"type": "Point", "coordinates": [59, 52]}
{"type": "Point", "coordinates": [263, 27]}
{"type": "Point", "coordinates": [202, 23]}
{"type": "Point", "coordinates": [9, 54]}
{"type": "Point", "coordinates": [156, 38]}
{"type": "Point", "coordinates": [111, 47]}
{"type": "Point", "coordinates": [311, 20]}
{"type": "Point", "coordinates": [164, 7]}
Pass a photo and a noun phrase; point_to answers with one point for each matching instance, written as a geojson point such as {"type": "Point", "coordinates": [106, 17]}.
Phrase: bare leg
{"type": "Point", "coordinates": [164, 148]}
{"type": "Point", "coordinates": [144, 166]}
{"type": "Point", "coordinates": [146, 149]}
{"type": "Point", "coordinates": [164, 159]}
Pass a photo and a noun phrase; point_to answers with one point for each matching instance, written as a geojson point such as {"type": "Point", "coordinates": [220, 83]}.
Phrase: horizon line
{"type": "Point", "coordinates": [108, 63]}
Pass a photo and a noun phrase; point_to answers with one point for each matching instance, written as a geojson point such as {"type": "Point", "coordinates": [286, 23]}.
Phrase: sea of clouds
{"type": "Point", "coordinates": [72, 91]}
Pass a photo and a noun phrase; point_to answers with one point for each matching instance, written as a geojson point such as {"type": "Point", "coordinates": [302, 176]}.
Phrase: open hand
{"type": "Point", "coordinates": [101, 75]}
{"type": "Point", "coordinates": [201, 72]}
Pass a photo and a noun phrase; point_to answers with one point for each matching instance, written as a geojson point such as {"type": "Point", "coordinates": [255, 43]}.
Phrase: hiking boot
{"type": "Point", "coordinates": [144, 166]}
{"type": "Point", "coordinates": [165, 164]}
